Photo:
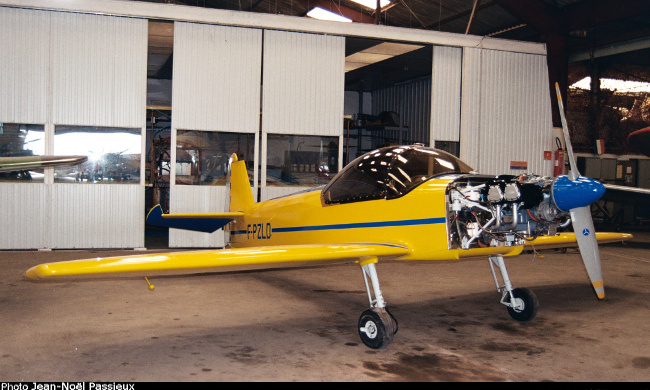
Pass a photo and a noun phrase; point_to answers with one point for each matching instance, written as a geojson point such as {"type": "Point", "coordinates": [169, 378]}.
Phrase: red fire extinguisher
{"type": "Point", "coordinates": [558, 160]}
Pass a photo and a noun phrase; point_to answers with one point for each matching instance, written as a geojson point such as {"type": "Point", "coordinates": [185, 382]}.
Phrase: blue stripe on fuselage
{"type": "Point", "coordinates": [358, 225]}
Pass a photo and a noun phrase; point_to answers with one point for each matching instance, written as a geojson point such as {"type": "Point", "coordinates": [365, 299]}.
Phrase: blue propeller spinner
{"type": "Point", "coordinates": [569, 194]}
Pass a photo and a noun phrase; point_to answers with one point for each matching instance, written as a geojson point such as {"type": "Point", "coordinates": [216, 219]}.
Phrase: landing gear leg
{"type": "Point", "coordinates": [376, 325]}
{"type": "Point", "coordinates": [522, 303]}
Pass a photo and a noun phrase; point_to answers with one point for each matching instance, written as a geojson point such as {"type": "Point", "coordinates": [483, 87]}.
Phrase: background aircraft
{"type": "Point", "coordinates": [403, 203]}
{"type": "Point", "coordinates": [639, 141]}
{"type": "Point", "coordinates": [24, 163]}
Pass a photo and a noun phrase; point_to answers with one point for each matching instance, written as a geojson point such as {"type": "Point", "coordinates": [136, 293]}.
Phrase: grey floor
{"type": "Point", "coordinates": [300, 324]}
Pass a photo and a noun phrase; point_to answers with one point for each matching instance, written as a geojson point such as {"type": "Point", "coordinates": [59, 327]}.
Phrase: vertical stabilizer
{"type": "Point", "coordinates": [241, 195]}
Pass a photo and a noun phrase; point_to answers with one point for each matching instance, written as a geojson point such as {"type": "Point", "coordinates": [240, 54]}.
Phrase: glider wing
{"type": "Point", "coordinates": [23, 163]}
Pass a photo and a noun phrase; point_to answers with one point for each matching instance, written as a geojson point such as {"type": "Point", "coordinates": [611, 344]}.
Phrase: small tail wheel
{"type": "Point", "coordinates": [377, 328]}
{"type": "Point", "coordinates": [526, 305]}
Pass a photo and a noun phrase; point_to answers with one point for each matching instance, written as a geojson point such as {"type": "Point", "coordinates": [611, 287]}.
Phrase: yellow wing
{"type": "Point", "coordinates": [218, 260]}
{"type": "Point", "coordinates": [568, 240]}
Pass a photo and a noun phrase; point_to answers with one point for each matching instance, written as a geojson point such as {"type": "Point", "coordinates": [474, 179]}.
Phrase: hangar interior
{"type": "Point", "coordinates": [163, 92]}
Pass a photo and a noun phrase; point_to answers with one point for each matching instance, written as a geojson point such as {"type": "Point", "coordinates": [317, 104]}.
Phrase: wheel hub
{"type": "Point", "coordinates": [370, 329]}
{"type": "Point", "coordinates": [518, 305]}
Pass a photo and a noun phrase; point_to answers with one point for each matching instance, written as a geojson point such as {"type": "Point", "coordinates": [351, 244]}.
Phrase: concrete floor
{"type": "Point", "coordinates": [300, 324]}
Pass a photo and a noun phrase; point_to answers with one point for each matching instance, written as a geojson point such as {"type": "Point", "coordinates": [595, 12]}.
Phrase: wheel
{"type": "Point", "coordinates": [527, 298]}
{"type": "Point", "coordinates": [377, 328]}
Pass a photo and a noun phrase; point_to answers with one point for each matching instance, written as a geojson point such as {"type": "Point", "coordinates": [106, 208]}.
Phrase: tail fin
{"type": "Point", "coordinates": [241, 195]}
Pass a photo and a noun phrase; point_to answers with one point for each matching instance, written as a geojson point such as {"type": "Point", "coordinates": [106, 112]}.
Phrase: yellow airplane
{"type": "Point", "coordinates": [402, 203]}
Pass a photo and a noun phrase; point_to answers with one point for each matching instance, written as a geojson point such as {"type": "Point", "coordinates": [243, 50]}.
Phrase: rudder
{"type": "Point", "coordinates": [241, 195]}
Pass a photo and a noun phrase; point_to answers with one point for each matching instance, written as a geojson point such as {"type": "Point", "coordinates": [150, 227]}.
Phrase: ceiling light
{"type": "Point", "coordinates": [377, 53]}
{"type": "Point", "coordinates": [323, 14]}
{"type": "Point", "coordinates": [372, 4]}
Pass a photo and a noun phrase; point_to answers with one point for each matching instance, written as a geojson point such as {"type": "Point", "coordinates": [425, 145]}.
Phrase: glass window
{"type": "Point", "coordinates": [389, 173]}
{"type": "Point", "coordinates": [202, 156]}
{"type": "Point", "coordinates": [413, 166]}
{"type": "Point", "coordinates": [19, 140]}
{"type": "Point", "coordinates": [452, 147]}
{"type": "Point", "coordinates": [113, 154]}
{"type": "Point", "coordinates": [301, 160]}
{"type": "Point", "coordinates": [363, 179]}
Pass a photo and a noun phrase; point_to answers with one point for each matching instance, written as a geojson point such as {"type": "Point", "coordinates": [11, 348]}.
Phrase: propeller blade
{"type": "Point", "coordinates": [583, 226]}
{"type": "Point", "coordinates": [573, 173]}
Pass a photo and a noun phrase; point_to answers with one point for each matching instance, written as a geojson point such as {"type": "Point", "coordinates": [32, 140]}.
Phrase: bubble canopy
{"type": "Point", "coordinates": [389, 173]}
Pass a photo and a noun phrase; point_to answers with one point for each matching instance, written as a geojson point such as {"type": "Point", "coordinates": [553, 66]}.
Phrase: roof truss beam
{"type": "Point", "coordinates": [546, 18]}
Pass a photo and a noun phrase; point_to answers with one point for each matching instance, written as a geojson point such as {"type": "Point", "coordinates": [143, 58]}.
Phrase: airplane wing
{"type": "Point", "coordinates": [200, 222]}
{"type": "Point", "coordinates": [568, 240]}
{"type": "Point", "coordinates": [218, 260]}
{"type": "Point", "coordinates": [624, 194]}
{"type": "Point", "coordinates": [23, 163]}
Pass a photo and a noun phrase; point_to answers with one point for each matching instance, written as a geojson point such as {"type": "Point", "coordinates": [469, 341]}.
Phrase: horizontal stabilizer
{"type": "Point", "coordinates": [215, 260]}
{"type": "Point", "coordinates": [199, 222]}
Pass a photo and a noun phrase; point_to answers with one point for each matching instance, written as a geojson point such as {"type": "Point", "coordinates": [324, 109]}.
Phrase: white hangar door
{"type": "Point", "coordinates": [24, 207]}
{"type": "Point", "coordinates": [99, 78]}
{"type": "Point", "coordinates": [506, 118]}
{"type": "Point", "coordinates": [302, 111]}
{"type": "Point", "coordinates": [64, 75]}
{"type": "Point", "coordinates": [216, 93]}
{"type": "Point", "coordinates": [215, 112]}
{"type": "Point", "coordinates": [445, 94]}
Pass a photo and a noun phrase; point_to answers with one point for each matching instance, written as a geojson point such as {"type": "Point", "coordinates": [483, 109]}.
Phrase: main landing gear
{"type": "Point", "coordinates": [376, 325]}
{"type": "Point", "coordinates": [522, 303]}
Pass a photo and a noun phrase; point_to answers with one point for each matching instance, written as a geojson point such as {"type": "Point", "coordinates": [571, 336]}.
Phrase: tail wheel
{"type": "Point", "coordinates": [526, 305]}
{"type": "Point", "coordinates": [377, 328]}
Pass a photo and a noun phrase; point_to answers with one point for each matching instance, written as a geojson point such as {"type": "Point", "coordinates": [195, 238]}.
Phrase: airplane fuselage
{"type": "Point", "coordinates": [417, 220]}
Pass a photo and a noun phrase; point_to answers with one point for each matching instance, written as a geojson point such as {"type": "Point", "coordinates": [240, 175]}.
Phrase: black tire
{"type": "Point", "coordinates": [376, 328]}
{"type": "Point", "coordinates": [531, 304]}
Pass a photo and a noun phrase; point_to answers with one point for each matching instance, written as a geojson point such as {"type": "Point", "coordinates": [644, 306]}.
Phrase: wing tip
{"type": "Point", "coordinates": [156, 211]}
{"type": "Point", "coordinates": [38, 273]}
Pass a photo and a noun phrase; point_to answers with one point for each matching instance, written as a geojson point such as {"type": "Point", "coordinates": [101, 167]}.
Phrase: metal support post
{"type": "Point", "coordinates": [370, 271]}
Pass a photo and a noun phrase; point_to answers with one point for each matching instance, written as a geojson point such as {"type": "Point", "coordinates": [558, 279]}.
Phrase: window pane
{"type": "Point", "coordinates": [22, 140]}
{"type": "Point", "coordinates": [363, 179]}
{"type": "Point", "coordinates": [412, 167]}
{"type": "Point", "coordinates": [297, 160]}
{"type": "Point", "coordinates": [202, 156]}
{"type": "Point", "coordinates": [113, 154]}
{"type": "Point", "coordinates": [452, 147]}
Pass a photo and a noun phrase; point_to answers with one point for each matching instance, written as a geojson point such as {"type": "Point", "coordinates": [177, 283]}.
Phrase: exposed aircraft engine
{"type": "Point", "coordinates": [488, 211]}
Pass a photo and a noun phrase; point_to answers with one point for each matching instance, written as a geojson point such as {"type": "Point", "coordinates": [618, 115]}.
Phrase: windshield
{"type": "Point", "coordinates": [389, 173]}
